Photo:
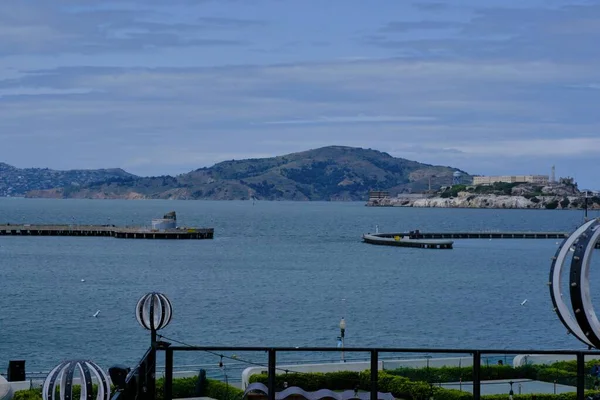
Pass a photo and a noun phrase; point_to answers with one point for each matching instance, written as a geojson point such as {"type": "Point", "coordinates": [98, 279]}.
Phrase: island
{"type": "Point", "coordinates": [527, 192]}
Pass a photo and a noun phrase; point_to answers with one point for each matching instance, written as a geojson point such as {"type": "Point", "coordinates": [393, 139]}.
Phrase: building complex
{"type": "Point", "coordinates": [490, 180]}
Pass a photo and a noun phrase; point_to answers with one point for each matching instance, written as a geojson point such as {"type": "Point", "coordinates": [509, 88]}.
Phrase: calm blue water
{"type": "Point", "coordinates": [275, 274]}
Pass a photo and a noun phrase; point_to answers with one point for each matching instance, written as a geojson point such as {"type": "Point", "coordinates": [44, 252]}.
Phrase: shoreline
{"type": "Point", "coordinates": [550, 202]}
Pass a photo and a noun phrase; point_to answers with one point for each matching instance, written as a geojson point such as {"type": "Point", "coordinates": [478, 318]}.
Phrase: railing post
{"type": "Point", "coordinates": [271, 370]}
{"type": "Point", "coordinates": [374, 377]}
{"type": "Point", "coordinates": [168, 388]}
{"type": "Point", "coordinates": [580, 376]}
{"type": "Point", "coordinates": [476, 375]}
{"type": "Point", "coordinates": [142, 384]}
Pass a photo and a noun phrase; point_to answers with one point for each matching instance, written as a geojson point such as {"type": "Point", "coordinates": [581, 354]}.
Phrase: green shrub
{"type": "Point", "coordinates": [341, 380]}
{"type": "Point", "coordinates": [32, 394]}
{"type": "Point", "coordinates": [36, 394]}
{"type": "Point", "coordinates": [453, 394]}
{"type": "Point", "coordinates": [182, 388]}
{"type": "Point", "coordinates": [186, 387]}
{"type": "Point", "coordinates": [221, 390]}
{"type": "Point", "coordinates": [565, 202]}
{"type": "Point", "coordinates": [552, 205]}
{"type": "Point", "coordinates": [454, 374]}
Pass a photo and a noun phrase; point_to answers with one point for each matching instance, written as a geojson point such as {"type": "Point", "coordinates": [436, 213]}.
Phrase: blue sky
{"type": "Point", "coordinates": [157, 87]}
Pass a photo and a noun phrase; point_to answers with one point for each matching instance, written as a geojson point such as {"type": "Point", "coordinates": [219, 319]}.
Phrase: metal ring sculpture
{"type": "Point", "coordinates": [154, 311]}
{"type": "Point", "coordinates": [63, 375]}
{"type": "Point", "coordinates": [582, 322]}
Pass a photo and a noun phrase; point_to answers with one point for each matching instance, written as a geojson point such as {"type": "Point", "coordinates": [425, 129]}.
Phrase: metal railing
{"type": "Point", "coordinates": [374, 354]}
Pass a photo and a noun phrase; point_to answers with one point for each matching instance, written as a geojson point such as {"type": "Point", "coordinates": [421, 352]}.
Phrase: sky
{"type": "Point", "coordinates": [164, 87]}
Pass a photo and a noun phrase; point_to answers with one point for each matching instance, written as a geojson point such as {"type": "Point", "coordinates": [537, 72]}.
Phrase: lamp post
{"type": "Point", "coordinates": [342, 334]}
{"type": "Point", "coordinates": [153, 312]}
{"type": "Point", "coordinates": [511, 393]}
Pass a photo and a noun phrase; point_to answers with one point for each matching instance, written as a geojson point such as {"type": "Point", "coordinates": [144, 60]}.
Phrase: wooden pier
{"type": "Point", "coordinates": [105, 230]}
{"type": "Point", "coordinates": [404, 241]}
{"type": "Point", "coordinates": [476, 235]}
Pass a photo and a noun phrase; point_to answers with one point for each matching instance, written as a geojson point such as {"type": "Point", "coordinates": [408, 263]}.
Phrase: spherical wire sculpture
{"type": "Point", "coordinates": [154, 311]}
{"type": "Point", "coordinates": [68, 374]}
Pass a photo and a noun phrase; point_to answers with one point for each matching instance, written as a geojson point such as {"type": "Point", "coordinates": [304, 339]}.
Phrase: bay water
{"type": "Point", "coordinates": [276, 274]}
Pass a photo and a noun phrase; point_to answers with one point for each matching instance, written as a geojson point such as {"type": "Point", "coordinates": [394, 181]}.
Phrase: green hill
{"type": "Point", "coordinates": [328, 173]}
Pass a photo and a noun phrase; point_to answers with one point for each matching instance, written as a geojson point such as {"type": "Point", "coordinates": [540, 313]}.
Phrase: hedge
{"type": "Point", "coordinates": [347, 380]}
{"type": "Point", "coordinates": [31, 394]}
{"type": "Point", "coordinates": [563, 372]}
{"type": "Point", "coordinates": [182, 388]}
{"type": "Point", "coordinates": [403, 387]}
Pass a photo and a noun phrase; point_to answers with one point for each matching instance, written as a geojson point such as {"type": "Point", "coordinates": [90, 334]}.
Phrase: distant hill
{"type": "Point", "coordinates": [19, 181]}
{"type": "Point", "coordinates": [328, 173]}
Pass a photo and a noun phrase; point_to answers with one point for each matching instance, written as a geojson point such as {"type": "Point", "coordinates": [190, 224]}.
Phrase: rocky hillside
{"type": "Point", "coordinates": [328, 173]}
{"type": "Point", "coordinates": [555, 196]}
{"type": "Point", "coordinates": [19, 181]}
{"type": "Point", "coordinates": [494, 201]}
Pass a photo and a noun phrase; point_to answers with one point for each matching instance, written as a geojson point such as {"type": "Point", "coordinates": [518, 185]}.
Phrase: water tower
{"type": "Point", "coordinates": [456, 178]}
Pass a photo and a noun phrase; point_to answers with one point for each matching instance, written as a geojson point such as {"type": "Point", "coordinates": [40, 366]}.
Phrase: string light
{"type": "Point", "coordinates": [235, 357]}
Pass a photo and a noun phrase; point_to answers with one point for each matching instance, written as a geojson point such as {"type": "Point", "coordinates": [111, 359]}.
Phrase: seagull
{"type": "Point", "coordinates": [96, 313]}
{"type": "Point", "coordinates": [83, 280]}
{"type": "Point", "coordinates": [523, 302]}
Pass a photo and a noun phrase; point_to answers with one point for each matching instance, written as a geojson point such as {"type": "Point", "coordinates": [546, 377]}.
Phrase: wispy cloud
{"type": "Point", "coordinates": [595, 86]}
{"type": "Point", "coordinates": [577, 146]}
{"type": "Point", "coordinates": [353, 119]}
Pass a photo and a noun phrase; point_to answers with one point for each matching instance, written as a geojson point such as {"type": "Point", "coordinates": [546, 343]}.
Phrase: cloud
{"type": "Point", "coordinates": [529, 32]}
{"type": "Point", "coordinates": [352, 119]}
{"type": "Point", "coordinates": [220, 22]}
{"type": "Point", "coordinates": [474, 87]}
{"type": "Point", "coordinates": [430, 6]}
{"type": "Point", "coordinates": [42, 28]}
{"type": "Point", "coordinates": [595, 86]}
{"type": "Point", "coordinates": [407, 26]}
{"type": "Point", "coordinates": [558, 147]}
{"type": "Point", "coordinates": [39, 91]}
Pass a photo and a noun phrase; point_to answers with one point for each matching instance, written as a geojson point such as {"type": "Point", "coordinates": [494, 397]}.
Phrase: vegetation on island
{"type": "Point", "coordinates": [329, 173]}
{"type": "Point", "coordinates": [557, 195]}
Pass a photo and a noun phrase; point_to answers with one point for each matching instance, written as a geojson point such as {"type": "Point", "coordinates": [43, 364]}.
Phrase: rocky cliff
{"type": "Point", "coordinates": [467, 200]}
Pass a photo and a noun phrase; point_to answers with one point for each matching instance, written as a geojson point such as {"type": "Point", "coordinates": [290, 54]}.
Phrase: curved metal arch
{"type": "Point", "coordinates": [583, 307]}
{"type": "Point", "coordinates": [556, 272]}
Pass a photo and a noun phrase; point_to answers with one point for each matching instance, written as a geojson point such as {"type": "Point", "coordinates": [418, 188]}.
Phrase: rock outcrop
{"type": "Point", "coordinates": [468, 200]}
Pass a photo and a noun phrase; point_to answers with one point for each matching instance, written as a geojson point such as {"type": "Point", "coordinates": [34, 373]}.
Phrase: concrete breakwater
{"type": "Point", "coordinates": [474, 235]}
{"type": "Point", "coordinates": [105, 230]}
{"type": "Point", "coordinates": [406, 241]}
